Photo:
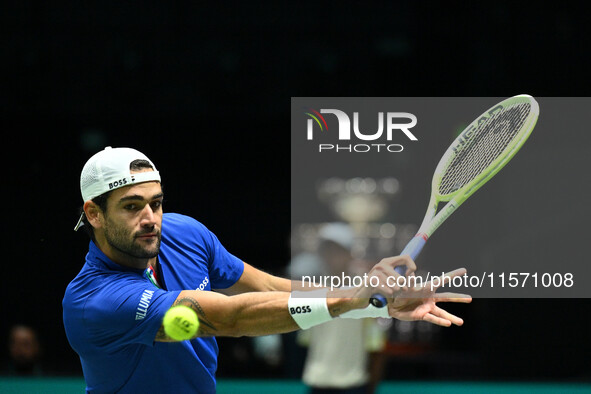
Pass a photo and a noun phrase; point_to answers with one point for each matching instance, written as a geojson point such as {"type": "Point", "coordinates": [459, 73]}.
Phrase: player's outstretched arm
{"type": "Point", "coordinates": [253, 314]}
{"type": "Point", "coordinates": [275, 312]}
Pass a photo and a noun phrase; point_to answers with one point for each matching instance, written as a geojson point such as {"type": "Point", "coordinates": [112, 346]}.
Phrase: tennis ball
{"type": "Point", "coordinates": [180, 323]}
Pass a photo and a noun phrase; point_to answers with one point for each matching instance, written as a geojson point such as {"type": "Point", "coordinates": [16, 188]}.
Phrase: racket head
{"type": "Point", "coordinates": [484, 147]}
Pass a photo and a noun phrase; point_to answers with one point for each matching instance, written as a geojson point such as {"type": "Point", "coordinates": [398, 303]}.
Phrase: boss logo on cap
{"type": "Point", "coordinates": [118, 183]}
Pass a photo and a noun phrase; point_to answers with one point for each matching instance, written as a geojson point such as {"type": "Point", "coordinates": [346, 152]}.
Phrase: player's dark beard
{"type": "Point", "coordinates": [122, 240]}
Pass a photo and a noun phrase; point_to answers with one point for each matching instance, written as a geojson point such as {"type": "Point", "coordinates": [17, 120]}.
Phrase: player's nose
{"type": "Point", "coordinates": [148, 217]}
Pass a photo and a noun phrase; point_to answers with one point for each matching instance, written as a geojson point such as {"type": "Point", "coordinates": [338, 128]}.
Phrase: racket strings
{"type": "Point", "coordinates": [488, 142]}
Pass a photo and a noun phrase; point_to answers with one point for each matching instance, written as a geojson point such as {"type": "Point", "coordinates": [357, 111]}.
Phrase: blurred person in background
{"type": "Point", "coordinates": [25, 352]}
{"type": "Point", "coordinates": [344, 355]}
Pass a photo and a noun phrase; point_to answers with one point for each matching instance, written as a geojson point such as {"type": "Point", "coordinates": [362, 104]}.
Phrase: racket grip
{"type": "Point", "coordinates": [413, 249]}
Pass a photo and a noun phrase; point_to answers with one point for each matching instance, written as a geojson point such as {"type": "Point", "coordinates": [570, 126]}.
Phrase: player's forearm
{"type": "Point", "coordinates": [253, 314]}
{"type": "Point", "coordinates": [264, 313]}
{"type": "Point", "coordinates": [268, 313]}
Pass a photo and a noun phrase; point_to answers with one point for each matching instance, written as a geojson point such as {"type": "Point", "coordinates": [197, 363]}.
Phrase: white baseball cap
{"type": "Point", "coordinates": [109, 170]}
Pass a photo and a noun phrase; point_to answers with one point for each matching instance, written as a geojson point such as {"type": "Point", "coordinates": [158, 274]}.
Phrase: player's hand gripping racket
{"type": "Point", "coordinates": [479, 152]}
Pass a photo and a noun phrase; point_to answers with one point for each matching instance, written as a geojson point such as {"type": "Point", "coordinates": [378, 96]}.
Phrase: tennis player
{"type": "Point", "coordinates": [141, 262]}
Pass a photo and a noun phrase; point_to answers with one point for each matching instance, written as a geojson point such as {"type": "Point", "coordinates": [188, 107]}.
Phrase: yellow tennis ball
{"type": "Point", "coordinates": [180, 323]}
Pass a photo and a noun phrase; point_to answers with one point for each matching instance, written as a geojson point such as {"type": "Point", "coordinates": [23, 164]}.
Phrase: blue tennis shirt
{"type": "Point", "coordinates": [112, 314]}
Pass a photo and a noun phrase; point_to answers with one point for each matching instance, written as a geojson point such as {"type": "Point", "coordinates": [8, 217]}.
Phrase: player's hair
{"type": "Point", "coordinates": [101, 201]}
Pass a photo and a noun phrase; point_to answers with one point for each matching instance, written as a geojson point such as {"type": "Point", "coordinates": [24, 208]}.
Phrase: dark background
{"type": "Point", "coordinates": [204, 91]}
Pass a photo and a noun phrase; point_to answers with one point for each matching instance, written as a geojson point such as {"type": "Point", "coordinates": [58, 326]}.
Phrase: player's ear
{"type": "Point", "coordinates": [94, 214]}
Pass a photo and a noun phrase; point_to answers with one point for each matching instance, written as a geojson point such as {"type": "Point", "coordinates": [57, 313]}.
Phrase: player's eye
{"type": "Point", "coordinates": [156, 204]}
{"type": "Point", "coordinates": [130, 207]}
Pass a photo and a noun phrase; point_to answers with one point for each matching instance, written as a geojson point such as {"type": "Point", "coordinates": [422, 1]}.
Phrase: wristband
{"type": "Point", "coordinates": [308, 308]}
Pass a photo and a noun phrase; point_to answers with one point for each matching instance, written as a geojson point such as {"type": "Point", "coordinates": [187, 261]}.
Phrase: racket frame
{"type": "Point", "coordinates": [434, 219]}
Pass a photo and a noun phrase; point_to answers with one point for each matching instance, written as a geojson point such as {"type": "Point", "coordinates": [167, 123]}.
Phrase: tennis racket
{"type": "Point", "coordinates": [477, 154]}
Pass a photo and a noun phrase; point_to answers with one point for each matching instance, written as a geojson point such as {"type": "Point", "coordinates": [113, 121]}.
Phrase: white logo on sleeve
{"type": "Point", "coordinates": [203, 284]}
{"type": "Point", "coordinates": [142, 308]}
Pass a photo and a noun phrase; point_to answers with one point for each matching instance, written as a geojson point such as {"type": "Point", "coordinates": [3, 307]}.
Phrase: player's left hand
{"type": "Point", "coordinates": [420, 303]}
